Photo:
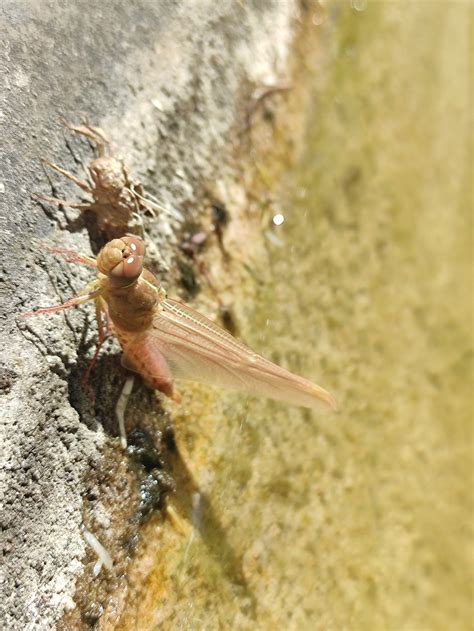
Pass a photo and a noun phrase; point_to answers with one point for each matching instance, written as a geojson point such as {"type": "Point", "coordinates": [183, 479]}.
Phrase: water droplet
{"type": "Point", "coordinates": [278, 219]}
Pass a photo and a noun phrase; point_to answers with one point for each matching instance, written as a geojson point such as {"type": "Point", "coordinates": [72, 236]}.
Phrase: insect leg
{"type": "Point", "coordinates": [108, 324]}
{"type": "Point", "coordinates": [122, 406]}
{"type": "Point", "coordinates": [60, 202]}
{"type": "Point", "coordinates": [93, 133]}
{"type": "Point", "coordinates": [92, 292]}
{"type": "Point", "coordinates": [73, 257]}
{"type": "Point", "coordinates": [85, 187]}
{"type": "Point", "coordinates": [100, 306]}
{"type": "Point", "coordinates": [102, 336]}
{"type": "Point", "coordinates": [73, 302]}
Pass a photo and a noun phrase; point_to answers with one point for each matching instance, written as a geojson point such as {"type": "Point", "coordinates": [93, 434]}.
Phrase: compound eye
{"type": "Point", "coordinates": [136, 245]}
{"type": "Point", "coordinates": [131, 264]}
{"type": "Point", "coordinates": [122, 258]}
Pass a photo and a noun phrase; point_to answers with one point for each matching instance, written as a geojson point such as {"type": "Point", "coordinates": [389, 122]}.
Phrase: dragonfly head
{"type": "Point", "coordinates": [122, 259]}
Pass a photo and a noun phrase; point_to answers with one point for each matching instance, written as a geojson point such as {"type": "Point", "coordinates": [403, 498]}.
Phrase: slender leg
{"type": "Point", "coordinates": [60, 202]}
{"type": "Point", "coordinates": [73, 302]}
{"type": "Point", "coordinates": [85, 187]}
{"type": "Point", "coordinates": [93, 133]}
{"type": "Point", "coordinates": [122, 406]}
{"type": "Point", "coordinates": [108, 324]}
{"type": "Point", "coordinates": [102, 336]}
{"type": "Point", "coordinates": [99, 307]}
{"type": "Point", "coordinates": [73, 257]}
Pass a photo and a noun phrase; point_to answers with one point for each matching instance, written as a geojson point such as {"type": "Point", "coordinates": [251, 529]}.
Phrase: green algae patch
{"type": "Point", "coordinates": [360, 519]}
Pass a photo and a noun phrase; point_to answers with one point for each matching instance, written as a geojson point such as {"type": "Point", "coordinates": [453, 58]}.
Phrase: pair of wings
{"type": "Point", "coordinates": [196, 349]}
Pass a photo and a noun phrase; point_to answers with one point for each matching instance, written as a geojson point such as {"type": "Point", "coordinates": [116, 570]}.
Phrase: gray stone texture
{"type": "Point", "coordinates": [166, 81]}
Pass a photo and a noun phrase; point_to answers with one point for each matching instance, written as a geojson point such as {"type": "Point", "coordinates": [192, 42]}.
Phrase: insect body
{"type": "Point", "coordinates": [117, 202]}
{"type": "Point", "coordinates": [162, 339]}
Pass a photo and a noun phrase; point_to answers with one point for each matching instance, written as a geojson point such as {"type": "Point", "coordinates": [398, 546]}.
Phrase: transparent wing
{"type": "Point", "coordinates": [198, 350]}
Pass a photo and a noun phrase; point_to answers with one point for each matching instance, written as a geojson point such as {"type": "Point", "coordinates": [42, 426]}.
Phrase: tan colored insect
{"type": "Point", "coordinates": [162, 339]}
{"type": "Point", "coordinates": [118, 202]}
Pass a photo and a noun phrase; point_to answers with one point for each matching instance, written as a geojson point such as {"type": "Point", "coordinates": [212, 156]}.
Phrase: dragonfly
{"type": "Point", "coordinates": [164, 339]}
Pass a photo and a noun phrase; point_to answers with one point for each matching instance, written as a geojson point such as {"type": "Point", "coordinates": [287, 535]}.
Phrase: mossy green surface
{"type": "Point", "coordinates": [361, 519]}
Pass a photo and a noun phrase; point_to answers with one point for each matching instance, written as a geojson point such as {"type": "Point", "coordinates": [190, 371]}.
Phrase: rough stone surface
{"type": "Point", "coordinates": [166, 80]}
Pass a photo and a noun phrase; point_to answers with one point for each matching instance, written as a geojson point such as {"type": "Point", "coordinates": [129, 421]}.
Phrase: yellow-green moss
{"type": "Point", "coordinates": [360, 520]}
